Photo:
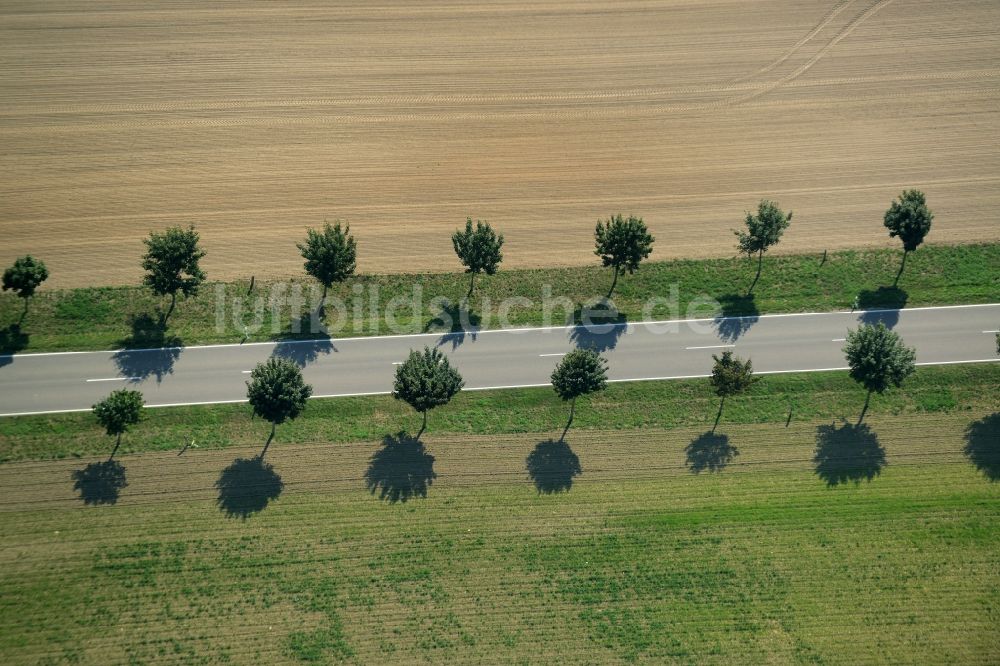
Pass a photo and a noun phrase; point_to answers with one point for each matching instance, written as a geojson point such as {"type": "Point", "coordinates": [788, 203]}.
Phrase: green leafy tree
{"type": "Point", "coordinates": [730, 376]}
{"type": "Point", "coordinates": [277, 393]}
{"type": "Point", "coordinates": [121, 409]}
{"type": "Point", "coordinates": [330, 254]}
{"type": "Point", "coordinates": [764, 230]}
{"type": "Point", "coordinates": [426, 380]}
{"type": "Point", "coordinates": [878, 359]}
{"type": "Point", "coordinates": [171, 264]}
{"type": "Point", "coordinates": [622, 244]}
{"type": "Point", "coordinates": [580, 372]}
{"type": "Point", "coordinates": [910, 220]}
{"type": "Point", "coordinates": [478, 249]}
{"type": "Point", "coordinates": [24, 277]}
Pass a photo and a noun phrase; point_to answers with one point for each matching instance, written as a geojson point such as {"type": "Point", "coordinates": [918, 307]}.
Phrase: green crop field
{"type": "Point", "coordinates": [113, 317]}
{"type": "Point", "coordinates": [815, 542]}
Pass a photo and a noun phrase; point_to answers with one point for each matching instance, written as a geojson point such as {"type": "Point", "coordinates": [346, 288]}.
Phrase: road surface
{"type": "Point", "coordinates": [62, 382]}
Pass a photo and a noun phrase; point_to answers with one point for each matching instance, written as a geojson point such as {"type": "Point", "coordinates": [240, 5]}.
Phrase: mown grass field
{"type": "Point", "coordinates": [113, 317]}
{"type": "Point", "coordinates": [809, 543]}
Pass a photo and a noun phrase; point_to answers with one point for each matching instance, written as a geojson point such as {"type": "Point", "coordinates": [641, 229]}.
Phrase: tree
{"type": "Point", "coordinates": [426, 380]}
{"type": "Point", "coordinates": [171, 264]}
{"type": "Point", "coordinates": [581, 372]}
{"type": "Point", "coordinates": [478, 250]}
{"type": "Point", "coordinates": [622, 244]}
{"type": "Point", "coordinates": [121, 409]}
{"type": "Point", "coordinates": [910, 219]}
{"type": "Point", "coordinates": [330, 254]}
{"type": "Point", "coordinates": [763, 230]}
{"type": "Point", "coordinates": [878, 359]}
{"type": "Point", "coordinates": [730, 376]}
{"type": "Point", "coordinates": [24, 277]}
{"type": "Point", "coordinates": [277, 393]}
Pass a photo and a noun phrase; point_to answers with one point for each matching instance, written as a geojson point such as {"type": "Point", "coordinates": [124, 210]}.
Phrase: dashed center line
{"type": "Point", "coordinates": [710, 347]}
{"type": "Point", "coordinates": [116, 379]}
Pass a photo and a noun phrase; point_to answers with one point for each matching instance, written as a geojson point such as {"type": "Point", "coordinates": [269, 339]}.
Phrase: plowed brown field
{"type": "Point", "coordinates": [255, 120]}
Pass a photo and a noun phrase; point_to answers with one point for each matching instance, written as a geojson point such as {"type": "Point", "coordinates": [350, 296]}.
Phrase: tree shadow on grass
{"type": "Point", "coordinates": [149, 351]}
{"type": "Point", "coordinates": [598, 327]}
{"type": "Point", "coordinates": [12, 340]}
{"type": "Point", "coordinates": [710, 451]}
{"type": "Point", "coordinates": [460, 324]}
{"type": "Point", "coordinates": [401, 470]}
{"type": "Point", "coordinates": [552, 465]}
{"type": "Point", "coordinates": [247, 486]}
{"type": "Point", "coordinates": [874, 305]}
{"type": "Point", "coordinates": [100, 482]}
{"type": "Point", "coordinates": [982, 445]}
{"type": "Point", "coordinates": [847, 453]}
{"type": "Point", "coordinates": [737, 315]}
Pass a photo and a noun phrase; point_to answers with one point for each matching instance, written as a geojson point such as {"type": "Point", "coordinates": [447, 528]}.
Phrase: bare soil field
{"type": "Point", "coordinates": [254, 120]}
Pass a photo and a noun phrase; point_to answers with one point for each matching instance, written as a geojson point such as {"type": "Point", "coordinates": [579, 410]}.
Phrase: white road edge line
{"type": "Point", "coordinates": [245, 372]}
{"type": "Point", "coordinates": [498, 388]}
{"type": "Point", "coordinates": [710, 347]}
{"type": "Point", "coordinates": [117, 379]}
{"type": "Point", "coordinates": [526, 329]}
{"type": "Point", "coordinates": [991, 331]}
{"type": "Point", "coordinates": [398, 362]}
{"type": "Point", "coordinates": [839, 340]}
{"type": "Point", "coordinates": [559, 354]}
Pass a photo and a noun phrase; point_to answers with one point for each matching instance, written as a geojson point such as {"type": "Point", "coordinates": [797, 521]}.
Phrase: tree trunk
{"type": "Point", "coordinates": [115, 450]}
{"type": "Point", "coordinates": [613, 283]}
{"type": "Point", "coordinates": [472, 284]}
{"type": "Point", "coordinates": [273, 426]}
{"type": "Point", "coordinates": [322, 303]}
{"type": "Point", "coordinates": [901, 267]}
{"type": "Point", "coordinates": [760, 264]}
{"type": "Point", "coordinates": [572, 411]}
{"type": "Point", "coordinates": [865, 409]}
{"type": "Point", "coordinates": [719, 415]}
{"type": "Point", "coordinates": [423, 426]}
{"type": "Point", "coordinates": [170, 310]}
{"type": "Point", "coordinates": [24, 312]}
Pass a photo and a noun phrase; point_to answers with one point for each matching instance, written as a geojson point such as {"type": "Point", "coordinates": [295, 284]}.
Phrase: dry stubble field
{"type": "Point", "coordinates": [255, 120]}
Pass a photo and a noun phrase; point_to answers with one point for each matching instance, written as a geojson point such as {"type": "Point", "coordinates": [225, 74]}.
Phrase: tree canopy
{"type": "Point", "coordinates": [580, 372]}
{"type": "Point", "coordinates": [478, 249]}
{"type": "Point", "coordinates": [909, 219]}
{"type": "Point", "coordinates": [277, 392]}
{"type": "Point", "coordinates": [878, 359]}
{"type": "Point", "coordinates": [24, 277]}
{"type": "Point", "coordinates": [121, 409]}
{"type": "Point", "coordinates": [171, 264]}
{"type": "Point", "coordinates": [330, 254]}
{"type": "Point", "coordinates": [763, 231]}
{"type": "Point", "coordinates": [730, 376]}
{"type": "Point", "coordinates": [622, 244]}
{"type": "Point", "coordinates": [426, 380]}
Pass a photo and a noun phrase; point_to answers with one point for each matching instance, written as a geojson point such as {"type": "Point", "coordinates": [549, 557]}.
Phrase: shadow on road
{"type": "Point", "coordinates": [598, 327]}
{"type": "Point", "coordinates": [738, 314]}
{"type": "Point", "coordinates": [848, 453]}
{"type": "Point", "coordinates": [982, 445]}
{"type": "Point", "coordinates": [400, 470]}
{"type": "Point", "coordinates": [305, 350]}
{"type": "Point", "coordinates": [710, 451]}
{"type": "Point", "coordinates": [149, 351]}
{"type": "Point", "coordinates": [460, 323]}
{"type": "Point", "coordinates": [247, 486]}
{"type": "Point", "coordinates": [100, 482]}
{"type": "Point", "coordinates": [883, 298]}
{"type": "Point", "coordinates": [552, 466]}
{"type": "Point", "coordinates": [12, 340]}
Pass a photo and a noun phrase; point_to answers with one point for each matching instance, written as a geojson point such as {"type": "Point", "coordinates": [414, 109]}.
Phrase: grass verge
{"type": "Point", "coordinates": [113, 317]}
{"type": "Point", "coordinates": [665, 404]}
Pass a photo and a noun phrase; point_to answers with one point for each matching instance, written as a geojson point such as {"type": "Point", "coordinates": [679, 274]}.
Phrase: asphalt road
{"type": "Point", "coordinates": [59, 382]}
